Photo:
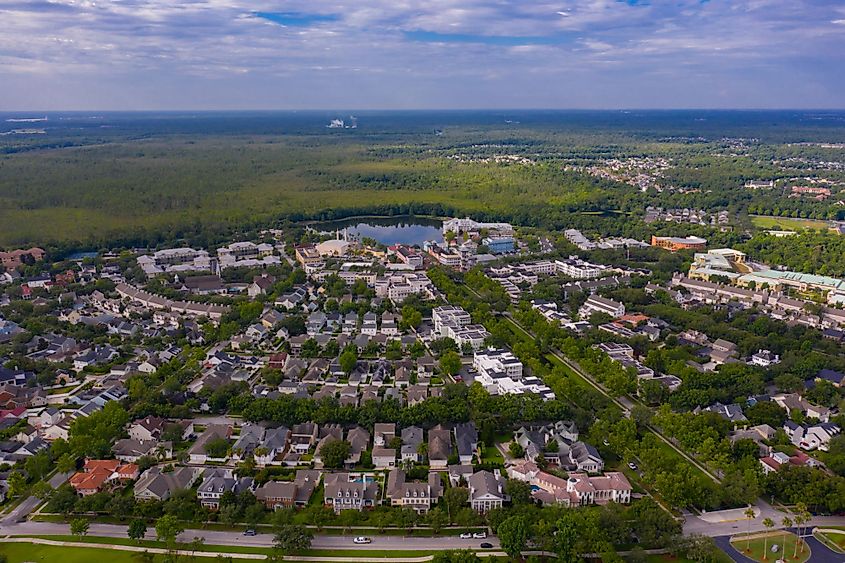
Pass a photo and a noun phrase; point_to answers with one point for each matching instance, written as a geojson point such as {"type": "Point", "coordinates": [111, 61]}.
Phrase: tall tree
{"type": "Point", "coordinates": [79, 526]}
{"type": "Point", "coordinates": [750, 514]}
{"type": "Point", "coordinates": [513, 535]}
{"type": "Point", "coordinates": [292, 538]}
{"type": "Point", "coordinates": [769, 524]}
{"type": "Point", "coordinates": [137, 529]}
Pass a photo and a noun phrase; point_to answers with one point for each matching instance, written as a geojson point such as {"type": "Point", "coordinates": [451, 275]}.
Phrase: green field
{"type": "Point", "coordinates": [23, 552]}
{"type": "Point", "coordinates": [787, 223]}
{"type": "Point", "coordinates": [755, 548]}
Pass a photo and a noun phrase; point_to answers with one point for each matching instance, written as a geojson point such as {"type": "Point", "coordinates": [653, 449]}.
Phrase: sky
{"type": "Point", "coordinates": [433, 54]}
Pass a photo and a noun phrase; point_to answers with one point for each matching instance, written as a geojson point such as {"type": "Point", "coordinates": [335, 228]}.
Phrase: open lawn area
{"type": "Point", "coordinates": [491, 454]}
{"type": "Point", "coordinates": [786, 223]}
{"type": "Point", "coordinates": [21, 552]}
{"type": "Point", "coordinates": [833, 540]}
{"type": "Point", "coordinates": [760, 548]}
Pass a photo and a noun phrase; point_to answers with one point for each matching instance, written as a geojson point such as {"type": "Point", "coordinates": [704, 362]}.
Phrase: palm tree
{"type": "Point", "coordinates": [749, 515]}
{"type": "Point", "coordinates": [799, 521]}
{"type": "Point", "coordinates": [806, 517]}
{"type": "Point", "coordinates": [769, 524]}
{"type": "Point", "coordinates": [786, 522]}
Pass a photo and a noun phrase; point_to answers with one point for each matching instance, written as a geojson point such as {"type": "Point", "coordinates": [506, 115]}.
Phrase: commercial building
{"type": "Point", "coordinates": [677, 243]}
{"type": "Point", "coordinates": [499, 245]}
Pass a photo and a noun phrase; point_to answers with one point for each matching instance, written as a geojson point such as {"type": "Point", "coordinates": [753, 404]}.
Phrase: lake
{"type": "Point", "coordinates": [388, 230]}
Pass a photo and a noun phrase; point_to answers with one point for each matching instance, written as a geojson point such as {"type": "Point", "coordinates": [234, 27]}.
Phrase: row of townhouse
{"type": "Point", "coordinates": [187, 308]}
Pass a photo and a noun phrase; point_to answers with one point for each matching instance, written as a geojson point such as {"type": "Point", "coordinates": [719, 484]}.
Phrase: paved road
{"type": "Point", "coordinates": [695, 525]}
{"type": "Point", "coordinates": [23, 510]}
{"type": "Point", "coordinates": [260, 540]}
{"type": "Point", "coordinates": [820, 553]}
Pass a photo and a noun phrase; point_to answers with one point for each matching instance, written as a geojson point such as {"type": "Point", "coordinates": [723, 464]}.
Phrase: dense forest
{"type": "Point", "coordinates": [139, 179]}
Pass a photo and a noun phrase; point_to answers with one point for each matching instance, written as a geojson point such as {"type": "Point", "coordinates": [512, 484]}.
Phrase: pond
{"type": "Point", "coordinates": [388, 230]}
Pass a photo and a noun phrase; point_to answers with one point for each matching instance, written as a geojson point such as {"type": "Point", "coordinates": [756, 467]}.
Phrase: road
{"type": "Point", "coordinates": [696, 525]}
{"type": "Point", "coordinates": [820, 553]}
{"type": "Point", "coordinates": [213, 537]}
{"type": "Point", "coordinates": [21, 511]}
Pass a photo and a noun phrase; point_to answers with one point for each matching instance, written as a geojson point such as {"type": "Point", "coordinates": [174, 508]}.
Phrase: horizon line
{"type": "Point", "coordinates": [422, 109]}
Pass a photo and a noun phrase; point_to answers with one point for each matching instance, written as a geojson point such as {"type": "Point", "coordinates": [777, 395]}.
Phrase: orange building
{"type": "Point", "coordinates": [677, 243]}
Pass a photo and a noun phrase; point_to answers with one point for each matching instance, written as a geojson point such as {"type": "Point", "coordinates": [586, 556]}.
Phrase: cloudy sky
{"type": "Point", "coordinates": [398, 54]}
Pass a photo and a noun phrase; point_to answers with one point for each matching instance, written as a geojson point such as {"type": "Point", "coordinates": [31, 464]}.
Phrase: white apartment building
{"type": "Point", "coordinates": [597, 304]}
{"type": "Point", "coordinates": [449, 315]}
{"type": "Point", "coordinates": [578, 269]}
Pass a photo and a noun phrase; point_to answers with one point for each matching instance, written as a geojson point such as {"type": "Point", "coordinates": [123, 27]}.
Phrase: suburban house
{"type": "Point", "coordinates": [197, 453]}
{"type": "Point", "coordinates": [384, 458]}
{"type": "Point", "coordinates": [284, 494]}
{"type": "Point", "coordinates": [466, 439]}
{"type": "Point", "coordinates": [439, 447]}
{"type": "Point", "coordinates": [346, 491]}
{"type": "Point", "coordinates": [273, 447]}
{"type": "Point", "coordinates": [412, 437]}
{"type": "Point", "coordinates": [486, 491]}
{"type": "Point", "coordinates": [216, 482]}
{"type": "Point", "coordinates": [98, 472]}
{"type": "Point", "coordinates": [149, 428]}
{"type": "Point", "coordinates": [417, 496]}
{"type": "Point", "coordinates": [578, 489]}
{"type": "Point", "coordinates": [159, 484]}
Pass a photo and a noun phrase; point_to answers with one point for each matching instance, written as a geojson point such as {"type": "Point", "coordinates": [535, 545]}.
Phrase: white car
{"type": "Point", "coordinates": [362, 539]}
{"type": "Point", "coordinates": [633, 466]}
{"type": "Point", "coordinates": [479, 535]}
{"type": "Point", "coordinates": [466, 536]}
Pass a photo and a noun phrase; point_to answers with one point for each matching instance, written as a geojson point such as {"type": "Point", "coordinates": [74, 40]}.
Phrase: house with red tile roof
{"type": "Point", "coordinates": [98, 472]}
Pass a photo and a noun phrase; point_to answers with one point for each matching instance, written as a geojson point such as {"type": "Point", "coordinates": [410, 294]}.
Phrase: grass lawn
{"type": "Point", "coordinates": [785, 540]}
{"type": "Point", "coordinates": [831, 540]}
{"type": "Point", "coordinates": [22, 552]}
{"type": "Point", "coordinates": [786, 223]}
{"type": "Point", "coordinates": [491, 454]}
{"type": "Point", "coordinates": [95, 540]}
{"type": "Point", "coordinates": [28, 552]}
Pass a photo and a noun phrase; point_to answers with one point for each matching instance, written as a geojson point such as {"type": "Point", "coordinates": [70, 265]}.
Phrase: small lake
{"type": "Point", "coordinates": [388, 230]}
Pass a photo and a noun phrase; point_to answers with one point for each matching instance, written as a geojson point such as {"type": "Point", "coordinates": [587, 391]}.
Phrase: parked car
{"type": "Point", "coordinates": [362, 539]}
{"type": "Point", "coordinates": [250, 532]}
{"type": "Point", "coordinates": [479, 535]}
{"type": "Point", "coordinates": [466, 536]}
{"type": "Point", "coordinates": [486, 545]}
{"type": "Point", "coordinates": [633, 466]}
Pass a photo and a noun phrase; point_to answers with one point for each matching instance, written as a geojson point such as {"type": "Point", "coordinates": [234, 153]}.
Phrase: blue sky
{"type": "Point", "coordinates": [408, 54]}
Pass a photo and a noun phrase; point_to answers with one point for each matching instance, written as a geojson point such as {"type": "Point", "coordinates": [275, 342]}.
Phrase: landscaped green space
{"type": "Point", "coordinates": [760, 548]}
{"type": "Point", "coordinates": [832, 540]}
{"type": "Point", "coordinates": [25, 552]}
{"type": "Point", "coordinates": [151, 543]}
{"type": "Point", "coordinates": [786, 223]}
